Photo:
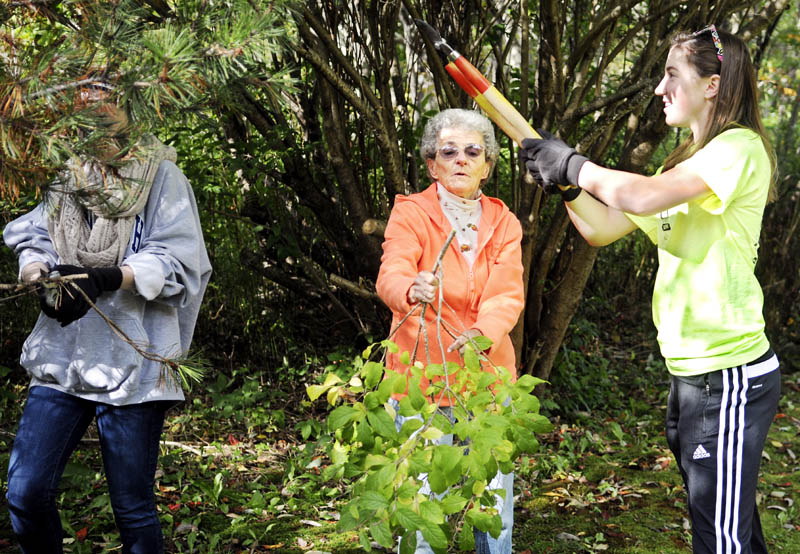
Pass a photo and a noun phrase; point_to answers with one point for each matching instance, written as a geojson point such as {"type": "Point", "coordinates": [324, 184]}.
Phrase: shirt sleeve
{"type": "Point", "coordinates": [647, 223]}
{"type": "Point", "coordinates": [172, 265]}
{"type": "Point", "coordinates": [727, 164]}
{"type": "Point", "coordinates": [402, 250]}
{"type": "Point", "coordinates": [28, 237]}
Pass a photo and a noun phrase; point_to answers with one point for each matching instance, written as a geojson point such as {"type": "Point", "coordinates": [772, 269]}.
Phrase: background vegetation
{"type": "Point", "coordinates": [297, 123]}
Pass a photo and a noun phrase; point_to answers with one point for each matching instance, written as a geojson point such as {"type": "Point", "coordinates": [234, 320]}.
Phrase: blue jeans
{"type": "Point", "coordinates": [51, 426]}
{"type": "Point", "coordinates": [484, 542]}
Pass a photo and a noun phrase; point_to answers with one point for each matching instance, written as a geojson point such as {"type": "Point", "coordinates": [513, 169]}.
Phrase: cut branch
{"type": "Point", "coordinates": [373, 227]}
{"type": "Point", "coordinates": [355, 288]}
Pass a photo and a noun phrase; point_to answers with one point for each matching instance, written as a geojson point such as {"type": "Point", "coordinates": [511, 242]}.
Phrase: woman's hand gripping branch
{"type": "Point", "coordinates": [423, 289]}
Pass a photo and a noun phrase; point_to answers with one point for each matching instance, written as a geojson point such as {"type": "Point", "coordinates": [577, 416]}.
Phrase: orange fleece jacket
{"type": "Point", "coordinates": [488, 297]}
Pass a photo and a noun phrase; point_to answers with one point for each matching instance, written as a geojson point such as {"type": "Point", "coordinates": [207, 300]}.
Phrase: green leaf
{"type": "Point", "coordinates": [382, 423]}
{"type": "Point", "coordinates": [528, 382]}
{"type": "Point", "coordinates": [407, 490]}
{"type": "Point", "coordinates": [372, 501]}
{"type": "Point", "coordinates": [372, 373]}
{"type": "Point", "coordinates": [404, 407]}
{"type": "Point", "coordinates": [447, 457]}
{"type": "Point", "coordinates": [418, 400]}
{"type": "Point", "coordinates": [486, 380]}
{"type": "Point", "coordinates": [405, 358]}
{"type": "Point", "coordinates": [399, 384]}
{"type": "Point", "coordinates": [466, 538]}
{"type": "Point", "coordinates": [431, 511]}
{"type": "Point", "coordinates": [382, 534]}
{"type": "Point", "coordinates": [347, 520]}
{"type": "Point", "coordinates": [479, 401]}
{"type": "Point", "coordinates": [364, 434]}
{"type": "Point", "coordinates": [380, 478]}
{"type": "Point", "coordinates": [437, 480]}
{"type": "Point", "coordinates": [432, 434]}
{"type": "Point", "coordinates": [452, 503]}
{"type": "Point", "coordinates": [483, 343]}
{"type": "Point", "coordinates": [409, 519]}
{"type": "Point", "coordinates": [384, 391]}
{"type": "Point", "coordinates": [441, 422]}
{"type": "Point", "coordinates": [452, 367]}
{"type": "Point", "coordinates": [368, 351]}
{"type": "Point", "coordinates": [372, 400]}
{"type": "Point", "coordinates": [315, 391]}
{"type": "Point", "coordinates": [410, 426]}
{"type": "Point", "coordinates": [471, 360]}
{"type": "Point", "coordinates": [434, 370]}
{"type": "Point", "coordinates": [408, 544]}
{"type": "Point", "coordinates": [333, 394]}
{"type": "Point", "coordinates": [481, 520]}
{"type": "Point", "coordinates": [363, 540]}
{"type": "Point", "coordinates": [391, 382]}
{"type": "Point", "coordinates": [435, 536]}
{"type": "Point", "coordinates": [541, 424]}
{"type": "Point", "coordinates": [616, 430]}
{"type": "Point", "coordinates": [341, 416]}
{"type": "Point", "coordinates": [390, 346]}
{"type": "Point", "coordinates": [375, 460]}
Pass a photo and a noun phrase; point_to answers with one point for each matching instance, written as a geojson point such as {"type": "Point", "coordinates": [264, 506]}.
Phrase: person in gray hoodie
{"type": "Point", "coordinates": [135, 232]}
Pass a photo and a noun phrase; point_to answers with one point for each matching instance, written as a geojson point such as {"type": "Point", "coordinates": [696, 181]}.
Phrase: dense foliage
{"type": "Point", "coordinates": [297, 123]}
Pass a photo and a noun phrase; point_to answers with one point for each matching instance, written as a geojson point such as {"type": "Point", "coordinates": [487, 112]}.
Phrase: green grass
{"type": "Point", "coordinates": [240, 480]}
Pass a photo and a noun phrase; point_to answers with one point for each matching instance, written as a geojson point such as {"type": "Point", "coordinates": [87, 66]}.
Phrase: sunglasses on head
{"type": "Point", "coordinates": [450, 151]}
{"type": "Point", "coordinates": [714, 37]}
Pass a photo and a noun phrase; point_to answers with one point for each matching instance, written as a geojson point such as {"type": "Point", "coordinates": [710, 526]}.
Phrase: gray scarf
{"type": "Point", "coordinates": [112, 199]}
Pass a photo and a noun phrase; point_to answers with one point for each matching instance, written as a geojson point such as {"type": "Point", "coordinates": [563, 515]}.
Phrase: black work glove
{"type": "Point", "coordinates": [552, 162]}
{"type": "Point", "coordinates": [72, 305]}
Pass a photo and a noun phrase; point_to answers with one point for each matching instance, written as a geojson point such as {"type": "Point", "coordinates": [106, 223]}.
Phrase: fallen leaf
{"type": "Point", "coordinates": [774, 507]}
{"type": "Point", "coordinates": [185, 527]}
{"type": "Point", "coordinates": [311, 523]}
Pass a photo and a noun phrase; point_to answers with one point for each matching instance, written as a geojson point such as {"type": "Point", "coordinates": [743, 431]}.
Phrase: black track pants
{"type": "Point", "coordinates": [716, 427]}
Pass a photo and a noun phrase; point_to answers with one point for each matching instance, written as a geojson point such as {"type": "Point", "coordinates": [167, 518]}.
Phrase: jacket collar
{"type": "Point", "coordinates": [493, 209]}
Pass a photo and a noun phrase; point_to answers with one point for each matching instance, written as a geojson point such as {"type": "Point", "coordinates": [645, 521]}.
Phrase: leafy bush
{"type": "Point", "coordinates": [493, 419]}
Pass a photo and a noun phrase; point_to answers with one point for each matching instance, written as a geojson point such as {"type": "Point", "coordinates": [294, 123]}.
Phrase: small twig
{"type": "Point", "coordinates": [186, 447]}
{"type": "Point", "coordinates": [443, 250]}
{"type": "Point", "coordinates": [414, 308]}
{"type": "Point", "coordinates": [65, 86]}
{"type": "Point", "coordinates": [350, 286]}
{"type": "Point", "coordinates": [31, 286]}
{"type": "Point", "coordinates": [437, 268]}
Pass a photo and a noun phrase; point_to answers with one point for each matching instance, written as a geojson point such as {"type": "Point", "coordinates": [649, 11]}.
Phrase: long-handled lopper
{"type": "Point", "coordinates": [479, 88]}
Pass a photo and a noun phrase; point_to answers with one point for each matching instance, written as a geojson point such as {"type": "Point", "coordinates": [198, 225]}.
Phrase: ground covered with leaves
{"type": "Point", "coordinates": [239, 473]}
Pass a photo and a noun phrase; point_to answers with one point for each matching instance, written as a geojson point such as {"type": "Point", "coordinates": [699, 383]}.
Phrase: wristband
{"type": "Point", "coordinates": [571, 193]}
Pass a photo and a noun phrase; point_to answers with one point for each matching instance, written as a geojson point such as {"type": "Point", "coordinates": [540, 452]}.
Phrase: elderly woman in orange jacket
{"type": "Point", "coordinates": [481, 268]}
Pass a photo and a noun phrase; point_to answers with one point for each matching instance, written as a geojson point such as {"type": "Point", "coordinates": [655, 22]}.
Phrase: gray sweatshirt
{"type": "Point", "coordinates": [171, 270]}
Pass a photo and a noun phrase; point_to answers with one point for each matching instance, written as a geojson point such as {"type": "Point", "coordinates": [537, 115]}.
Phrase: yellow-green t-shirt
{"type": "Point", "coordinates": [707, 302]}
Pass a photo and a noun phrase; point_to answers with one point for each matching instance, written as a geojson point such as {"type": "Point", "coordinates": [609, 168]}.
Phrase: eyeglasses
{"type": "Point", "coordinates": [714, 37]}
{"type": "Point", "coordinates": [451, 151]}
